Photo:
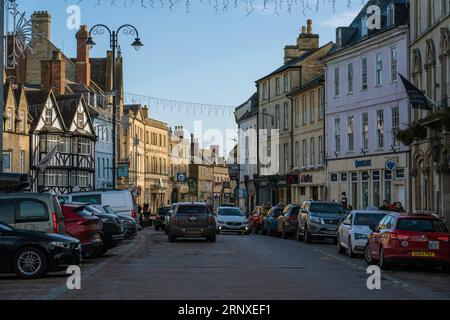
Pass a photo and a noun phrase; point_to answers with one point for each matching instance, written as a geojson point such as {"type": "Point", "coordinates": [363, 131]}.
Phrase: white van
{"type": "Point", "coordinates": [120, 201]}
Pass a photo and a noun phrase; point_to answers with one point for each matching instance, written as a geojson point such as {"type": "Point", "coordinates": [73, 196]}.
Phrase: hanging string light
{"type": "Point", "coordinates": [250, 6]}
{"type": "Point", "coordinates": [189, 107]}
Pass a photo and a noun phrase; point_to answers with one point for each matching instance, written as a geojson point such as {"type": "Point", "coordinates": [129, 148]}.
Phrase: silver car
{"type": "Point", "coordinates": [232, 220]}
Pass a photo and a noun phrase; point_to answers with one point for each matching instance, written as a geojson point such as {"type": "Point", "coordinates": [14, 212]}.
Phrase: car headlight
{"type": "Point", "coordinates": [359, 236]}
{"type": "Point", "coordinates": [316, 219]}
{"type": "Point", "coordinates": [63, 245]}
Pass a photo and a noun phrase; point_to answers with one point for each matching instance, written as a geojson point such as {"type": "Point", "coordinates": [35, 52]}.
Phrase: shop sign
{"type": "Point", "coordinates": [181, 177]}
{"type": "Point", "coordinates": [363, 163]}
{"type": "Point", "coordinates": [306, 178]}
{"type": "Point", "coordinates": [292, 179]}
{"type": "Point", "coordinates": [391, 165]}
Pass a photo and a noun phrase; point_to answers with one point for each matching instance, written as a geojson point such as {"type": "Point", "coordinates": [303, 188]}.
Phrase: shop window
{"type": "Point", "coordinates": [302, 191]}
{"type": "Point", "coordinates": [343, 177]}
{"type": "Point", "coordinates": [334, 177]}
{"type": "Point", "coordinates": [400, 174]}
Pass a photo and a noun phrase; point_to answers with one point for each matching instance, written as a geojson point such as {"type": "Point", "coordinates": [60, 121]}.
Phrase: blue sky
{"type": "Point", "coordinates": [202, 56]}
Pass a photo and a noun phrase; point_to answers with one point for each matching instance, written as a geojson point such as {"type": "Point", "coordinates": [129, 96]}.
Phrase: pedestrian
{"type": "Point", "coordinates": [386, 206]}
{"type": "Point", "coordinates": [398, 207]}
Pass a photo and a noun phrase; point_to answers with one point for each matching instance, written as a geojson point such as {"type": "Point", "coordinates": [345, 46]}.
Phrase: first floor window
{"type": "Point", "coordinates": [305, 154]}
{"type": "Point", "coordinates": [22, 161]}
{"type": "Point", "coordinates": [286, 115]}
{"type": "Point", "coordinates": [380, 129]}
{"type": "Point", "coordinates": [337, 135]}
{"type": "Point", "coordinates": [350, 133]}
{"type": "Point", "coordinates": [312, 146]}
{"type": "Point", "coordinates": [395, 126]}
{"type": "Point", "coordinates": [321, 150]}
{"type": "Point", "coordinates": [297, 112]}
{"type": "Point", "coordinates": [365, 130]}
{"type": "Point", "coordinates": [7, 161]}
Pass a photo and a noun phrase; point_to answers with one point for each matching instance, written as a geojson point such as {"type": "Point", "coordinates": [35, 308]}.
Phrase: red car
{"type": "Point", "coordinates": [84, 226]}
{"type": "Point", "coordinates": [409, 239]}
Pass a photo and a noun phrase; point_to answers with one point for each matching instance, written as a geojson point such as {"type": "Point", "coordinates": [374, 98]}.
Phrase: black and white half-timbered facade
{"type": "Point", "coordinates": [61, 121]}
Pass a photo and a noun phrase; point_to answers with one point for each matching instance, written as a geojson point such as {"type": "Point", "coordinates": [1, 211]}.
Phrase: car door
{"type": "Point", "coordinates": [375, 237]}
{"type": "Point", "coordinates": [301, 217]}
{"type": "Point", "coordinates": [7, 247]}
{"type": "Point", "coordinates": [345, 228]}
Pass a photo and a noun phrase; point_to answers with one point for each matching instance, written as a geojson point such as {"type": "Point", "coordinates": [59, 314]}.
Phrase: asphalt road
{"type": "Point", "coordinates": [235, 267]}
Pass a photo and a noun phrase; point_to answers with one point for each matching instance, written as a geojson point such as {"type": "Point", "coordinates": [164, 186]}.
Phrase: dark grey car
{"type": "Point", "coordinates": [318, 219]}
{"type": "Point", "coordinates": [193, 220]}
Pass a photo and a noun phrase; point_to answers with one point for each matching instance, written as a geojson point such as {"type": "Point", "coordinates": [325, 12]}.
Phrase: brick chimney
{"type": "Point", "coordinates": [145, 111]}
{"type": "Point", "coordinates": [53, 73]}
{"type": "Point", "coordinates": [40, 24]}
{"type": "Point", "coordinates": [82, 66]}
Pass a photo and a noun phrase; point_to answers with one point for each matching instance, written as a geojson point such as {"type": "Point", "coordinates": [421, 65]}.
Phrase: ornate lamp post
{"type": "Point", "coordinates": [126, 29]}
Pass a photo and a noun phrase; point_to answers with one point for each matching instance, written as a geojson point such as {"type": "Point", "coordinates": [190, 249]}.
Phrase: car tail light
{"type": "Point", "coordinates": [395, 236]}
{"type": "Point", "coordinates": [173, 220]}
{"type": "Point", "coordinates": [133, 214]}
{"type": "Point", "coordinates": [292, 218]}
{"type": "Point", "coordinates": [445, 239]}
{"type": "Point", "coordinates": [55, 222]}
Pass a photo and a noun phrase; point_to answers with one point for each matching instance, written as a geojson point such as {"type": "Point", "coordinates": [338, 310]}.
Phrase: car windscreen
{"type": "Point", "coordinates": [294, 211]}
{"type": "Point", "coordinates": [277, 212]}
{"type": "Point", "coordinates": [421, 225]}
{"type": "Point", "coordinates": [368, 219]}
{"type": "Point", "coordinates": [193, 210]}
{"type": "Point", "coordinates": [234, 212]}
{"type": "Point", "coordinates": [326, 208]}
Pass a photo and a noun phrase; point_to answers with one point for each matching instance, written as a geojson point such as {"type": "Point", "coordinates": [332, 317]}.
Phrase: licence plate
{"type": "Point", "coordinates": [423, 254]}
{"type": "Point", "coordinates": [193, 232]}
{"type": "Point", "coordinates": [433, 245]}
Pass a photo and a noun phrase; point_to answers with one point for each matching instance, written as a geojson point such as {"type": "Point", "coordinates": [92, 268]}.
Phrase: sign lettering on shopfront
{"type": "Point", "coordinates": [306, 178]}
{"type": "Point", "coordinates": [363, 163]}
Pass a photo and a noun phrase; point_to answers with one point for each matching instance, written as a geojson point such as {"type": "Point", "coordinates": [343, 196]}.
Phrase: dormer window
{"type": "Point", "coordinates": [364, 26]}
{"type": "Point", "coordinates": [22, 121]}
{"type": "Point", "coordinates": [10, 119]}
{"type": "Point", "coordinates": [391, 15]}
{"type": "Point", "coordinates": [48, 116]}
{"type": "Point", "coordinates": [80, 120]}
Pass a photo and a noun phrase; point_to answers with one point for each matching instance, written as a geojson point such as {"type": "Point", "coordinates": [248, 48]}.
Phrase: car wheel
{"type": "Point", "coordinates": [339, 247]}
{"type": "Point", "coordinates": [30, 262]}
{"type": "Point", "coordinates": [368, 255]}
{"type": "Point", "coordinates": [350, 253]}
{"type": "Point", "coordinates": [307, 238]}
{"type": "Point", "coordinates": [383, 263]}
{"type": "Point", "coordinates": [299, 236]}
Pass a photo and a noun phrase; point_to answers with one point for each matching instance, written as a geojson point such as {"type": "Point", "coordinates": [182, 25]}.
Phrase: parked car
{"type": "Point", "coordinates": [192, 219]}
{"type": "Point", "coordinates": [112, 227]}
{"type": "Point", "coordinates": [318, 219]}
{"type": "Point", "coordinates": [231, 219]}
{"type": "Point", "coordinates": [270, 222]}
{"type": "Point", "coordinates": [354, 231]}
{"type": "Point", "coordinates": [256, 219]}
{"type": "Point", "coordinates": [129, 225]}
{"type": "Point", "coordinates": [84, 226]}
{"type": "Point", "coordinates": [32, 254]}
{"type": "Point", "coordinates": [121, 201]}
{"type": "Point", "coordinates": [287, 222]}
{"type": "Point", "coordinates": [160, 218]}
{"type": "Point", "coordinates": [168, 217]}
{"type": "Point", "coordinates": [409, 239]}
{"type": "Point", "coordinates": [31, 211]}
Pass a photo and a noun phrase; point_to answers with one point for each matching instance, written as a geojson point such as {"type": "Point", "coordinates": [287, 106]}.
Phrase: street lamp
{"type": "Point", "coordinates": [126, 29]}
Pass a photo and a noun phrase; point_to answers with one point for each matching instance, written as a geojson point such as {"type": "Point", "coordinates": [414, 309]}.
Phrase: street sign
{"type": "Point", "coordinates": [181, 177]}
{"type": "Point", "coordinates": [122, 171]}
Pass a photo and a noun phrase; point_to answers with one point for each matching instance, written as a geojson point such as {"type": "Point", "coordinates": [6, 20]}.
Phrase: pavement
{"type": "Point", "coordinates": [253, 267]}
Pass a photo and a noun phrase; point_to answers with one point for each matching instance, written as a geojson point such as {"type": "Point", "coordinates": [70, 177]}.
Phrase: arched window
{"type": "Point", "coordinates": [418, 18]}
{"type": "Point", "coordinates": [417, 76]}
{"type": "Point", "coordinates": [445, 61]}
{"type": "Point", "coordinates": [430, 67]}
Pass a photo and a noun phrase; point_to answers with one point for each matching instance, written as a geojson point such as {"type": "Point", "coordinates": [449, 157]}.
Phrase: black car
{"type": "Point", "coordinates": [160, 218]}
{"type": "Point", "coordinates": [32, 254]}
{"type": "Point", "coordinates": [129, 225]}
{"type": "Point", "coordinates": [113, 232]}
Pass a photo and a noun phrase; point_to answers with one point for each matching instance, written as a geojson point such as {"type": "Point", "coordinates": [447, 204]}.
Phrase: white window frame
{"type": "Point", "coordinates": [304, 110]}
{"type": "Point", "coordinates": [312, 149]}
{"type": "Point", "coordinates": [365, 131]}
{"type": "Point", "coordinates": [394, 64]}
{"type": "Point", "coordinates": [350, 78]}
{"type": "Point", "coordinates": [10, 119]}
{"type": "Point", "coordinates": [364, 78]}
{"type": "Point", "coordinates": [351, 133]}
{"type": "Point", "coordinates": [277, 86]}
{"type": "Point", "coordinates": [297, 111]}
{"type": "Point", "coordinates": [395, 117]}
{"type": "Point", "coordinates": [286, 115]}
{"type": "Point", "coordinates": [312, 107]}
{"type": "Point", "coordinates": [305, 153]}
{"type": "Point", "coordinates": [337, 135]}
{"type": "Point", "coordinates": [336, 82]}
{"type": "Point", "coordinates": [380, 128]}
{"type": "Point", "coordinates": [379, 69]}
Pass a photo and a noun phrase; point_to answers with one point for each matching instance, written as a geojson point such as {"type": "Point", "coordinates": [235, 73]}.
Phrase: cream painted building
{"type": "Point", "coordinates": [301, 64]}
{"type": "Point", "coordinates": [147, 144]}
{"type": "Point", "coordinates": [308, 141]}
{"type": "Point", "coordinates": [222, 188]}
{"type": "Point", "coordinates": [179, 159]}
{"type": "Point", "coordinates": [430, 72]}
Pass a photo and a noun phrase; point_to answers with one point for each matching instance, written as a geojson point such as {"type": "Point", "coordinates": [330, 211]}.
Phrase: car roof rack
{"type": "Point", "coordinates": [14, 182]}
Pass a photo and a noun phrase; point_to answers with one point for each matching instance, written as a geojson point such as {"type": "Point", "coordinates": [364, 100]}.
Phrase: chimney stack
{"type": "Point", "coordinates": [306, 41]}
{"type": "Point", "coordinates": [145, 111]}
{"type": "Point", "coordinates": [83, 65]}
{"type": "Point", "coordinates": [40, 24]}
{"type": "Point", "coordinates": [309, 28]}
{"type": "Point", "coordinates": [53, 73]}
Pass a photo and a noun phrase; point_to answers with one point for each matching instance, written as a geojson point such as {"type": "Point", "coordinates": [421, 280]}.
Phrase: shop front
{"type": "Point", "coordinates": [368, 181]}
{"type": "Point", "coordinates": [311, 186]}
